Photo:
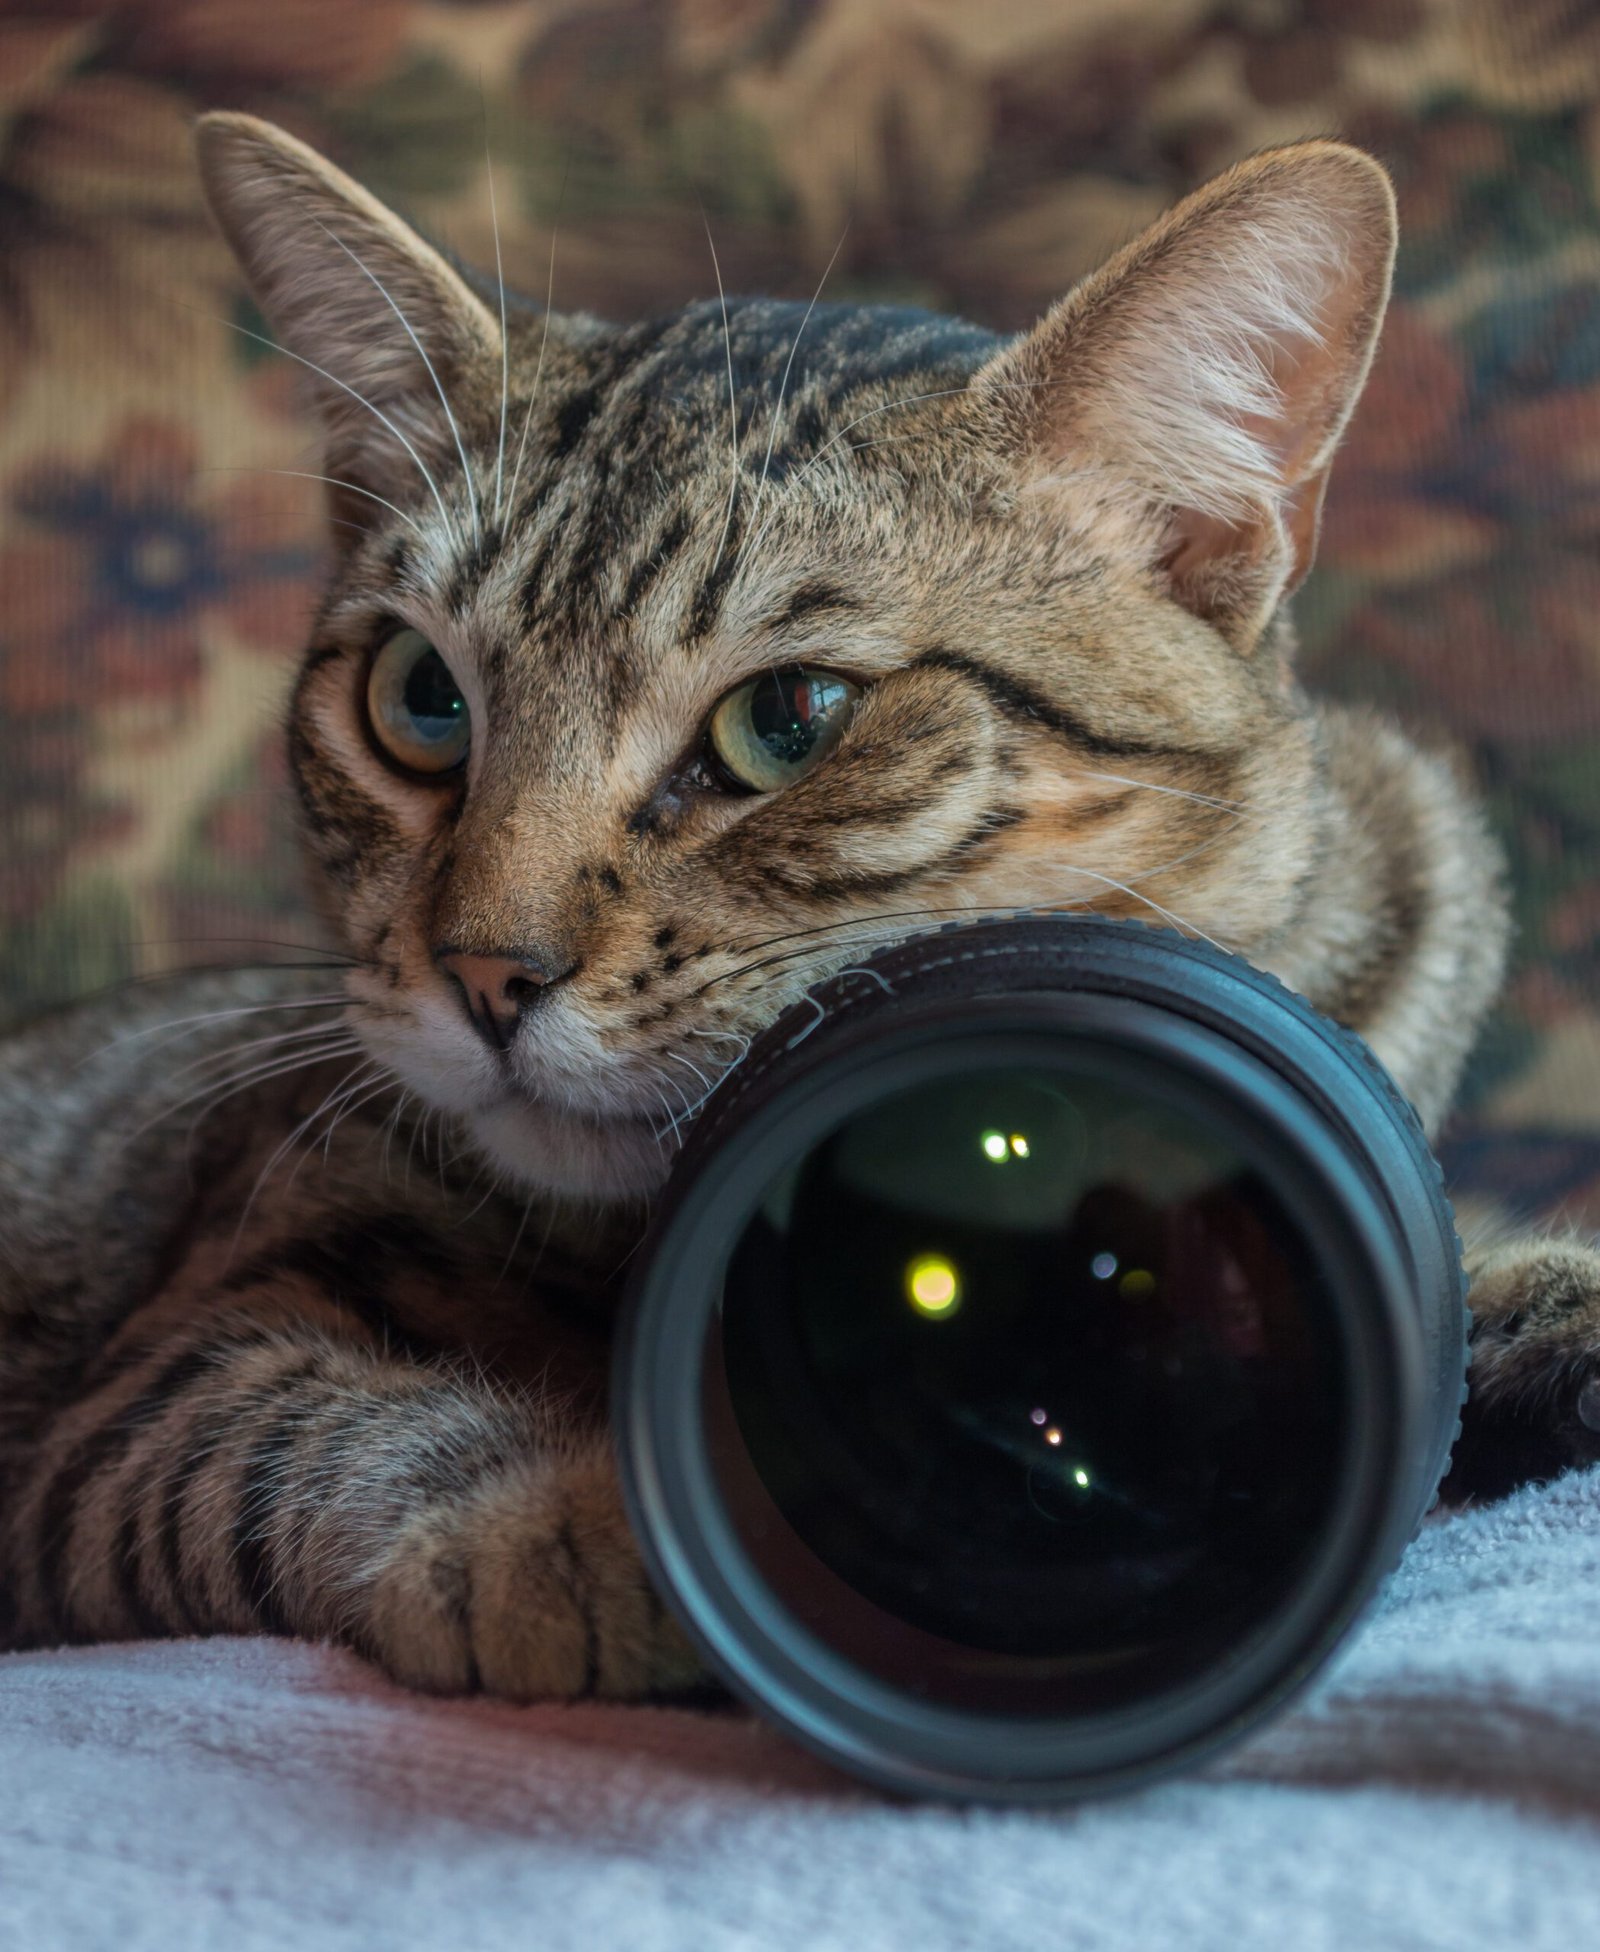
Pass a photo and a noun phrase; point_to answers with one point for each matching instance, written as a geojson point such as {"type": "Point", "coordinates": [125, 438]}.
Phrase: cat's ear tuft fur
{"type": "Point", "coordinates": [355, 295]}
{"type": "Point", "coordinates": [1205, 374]}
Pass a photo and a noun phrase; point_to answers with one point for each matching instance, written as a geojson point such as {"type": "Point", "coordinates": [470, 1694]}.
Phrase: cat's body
{"type": "Point", "coordinates": [257, 1372]}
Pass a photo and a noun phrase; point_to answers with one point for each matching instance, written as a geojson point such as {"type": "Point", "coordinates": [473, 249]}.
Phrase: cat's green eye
{"type": "Point", "coordinates": [775, 728]}
{"type": "Point", "coordinates": [417, 711]}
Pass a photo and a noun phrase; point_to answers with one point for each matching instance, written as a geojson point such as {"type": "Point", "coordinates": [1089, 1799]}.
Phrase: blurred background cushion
{"type": "Point", "coordinates": [155, 583]}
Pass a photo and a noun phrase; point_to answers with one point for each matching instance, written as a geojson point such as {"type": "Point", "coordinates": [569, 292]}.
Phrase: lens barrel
{"type": "Point", "coordinates": [1051, 1334]}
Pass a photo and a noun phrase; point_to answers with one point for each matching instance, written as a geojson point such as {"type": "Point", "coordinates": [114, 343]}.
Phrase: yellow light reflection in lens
{"type": "Point", "coordinates": [1019, 1145]}
{"type": "Point", "coordinates": [1052, 1435]}
{"type": "Point", "coordinates": [995, 1147]}
{"type": "Point", "coordinates": [932, 1286]}
{"type": "Point", "coordinates": [1137, 1282]}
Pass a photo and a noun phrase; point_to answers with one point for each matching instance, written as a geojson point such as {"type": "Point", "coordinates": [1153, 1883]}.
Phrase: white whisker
{"type": "Point", "coordinates": [310, 1033]}
{"type": "Point", "coordinates": [516, 1238]}
{"type": "Point", "coordinates": [672, 1118]}
{"type": "Point", "coordinates": [783, 385]}
{"type": "Point", "coordinates": [1167, 914]}
{"type": "Point", "coordinates": [678, 1058]}
{"type": "Point", "coordinates": [390, 1126]}
{"type": "Point", "coordinates": [332, 481]}
{"type": "Point", "coordinates": [422, 354]}
{"type": "Point", "coordinates": [1155, 786]}
{"type": "Point", "coordinates": [377, 412]}
{"type": "Point", "coordinates": [538, 373]}
{"type": "Point", "coordinates": [332, 1105]}
{"type": "Point", "coordinates": [353, 1105]}
{"type": "Point", "coordinates": [733, 404]}
{"type": "Point", "coordinates": [283, 1065]}
{"type": "Point", "coordinates": [216, 1090]}
{"type": "Point", "coordinates": [505, 347]}
{"type": "Point", "coordinates": [872, 975]}
{"type": "Point", "coordinates": [496, 1185]}
{"type": "Point", "coordinates": [724, 1036]}
{"type": "Point", "coordinates": [286, 1144]}
{"type": "Point", "coordinates": [322, 1002]}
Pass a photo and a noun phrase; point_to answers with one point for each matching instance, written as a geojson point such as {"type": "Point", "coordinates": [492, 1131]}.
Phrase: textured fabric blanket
{"type": "Point", "coordinates": [1441, 1788]}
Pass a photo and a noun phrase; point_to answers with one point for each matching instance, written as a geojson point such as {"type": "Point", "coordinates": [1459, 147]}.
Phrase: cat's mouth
{"type": "Point", "coordinates": [543, 1131]}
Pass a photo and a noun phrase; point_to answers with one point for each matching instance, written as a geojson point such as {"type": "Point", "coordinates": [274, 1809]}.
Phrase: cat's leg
{"type": "Point", "coordinates": [266, 1475]}
{"type": "Point", "coordinates": [1533, 1405]}
{"type": "Point", "coordinates": [187, 1451]}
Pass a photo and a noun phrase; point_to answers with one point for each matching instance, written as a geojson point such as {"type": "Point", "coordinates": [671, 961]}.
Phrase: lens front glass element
{"type": "Point", "coordinates": [1026, 1391]}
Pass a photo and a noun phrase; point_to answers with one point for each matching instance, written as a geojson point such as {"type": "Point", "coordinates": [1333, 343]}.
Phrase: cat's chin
{"type": "Point", "coordinates": [537, 1145]}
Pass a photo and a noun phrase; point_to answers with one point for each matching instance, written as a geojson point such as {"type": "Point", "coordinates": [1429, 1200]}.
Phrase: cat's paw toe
{"type": "Point", "coordinates": [531, 1589]}
{"type": "Point", "coordinates": [1533, 1403]}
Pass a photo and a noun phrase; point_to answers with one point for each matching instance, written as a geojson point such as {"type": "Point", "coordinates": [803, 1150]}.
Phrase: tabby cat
{"type": "Point", "coordinates": [664, 667]}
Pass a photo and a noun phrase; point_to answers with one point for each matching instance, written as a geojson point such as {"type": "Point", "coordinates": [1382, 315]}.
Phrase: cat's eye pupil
{"type": "Point", "coordinates": [789, 710]}
{"type": "Point", "coordinates": [432, 697]}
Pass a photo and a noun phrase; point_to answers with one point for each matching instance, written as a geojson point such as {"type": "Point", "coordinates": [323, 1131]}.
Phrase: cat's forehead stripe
{"type": "Point", "coordinates": [654, 399]}
{"type": "Point", "coordinates": [647, 569]}
{"type": "Point", "coordinates": [808, 600]}
{"type": "Point", "coordinates": [1028, 706]}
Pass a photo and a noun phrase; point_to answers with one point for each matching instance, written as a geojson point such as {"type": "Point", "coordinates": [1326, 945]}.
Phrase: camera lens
{"type": "Point", "coordinates": [1025, 1386]}
{"type": "Point", "coordinates": [1050, 1336]}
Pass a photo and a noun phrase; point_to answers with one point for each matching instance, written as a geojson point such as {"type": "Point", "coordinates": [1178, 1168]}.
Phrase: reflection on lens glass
{"type": "Point", "coordinates": [1026, 1386]}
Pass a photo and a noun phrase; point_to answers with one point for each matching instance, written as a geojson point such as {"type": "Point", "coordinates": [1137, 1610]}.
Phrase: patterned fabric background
{"type": "Point", "coordinates": [154, 583]}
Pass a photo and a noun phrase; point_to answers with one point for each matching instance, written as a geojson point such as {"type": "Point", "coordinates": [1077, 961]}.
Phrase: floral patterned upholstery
{"type": "Point", "coordinates": [155, 582]}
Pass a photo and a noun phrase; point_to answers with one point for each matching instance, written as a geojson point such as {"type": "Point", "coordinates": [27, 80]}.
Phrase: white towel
{"type": "Point", "coordinates": [1440, 1788]}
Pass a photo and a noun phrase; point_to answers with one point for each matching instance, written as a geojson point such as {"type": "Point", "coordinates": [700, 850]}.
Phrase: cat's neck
{"type": "Point", "coordinates": [1400, 929]}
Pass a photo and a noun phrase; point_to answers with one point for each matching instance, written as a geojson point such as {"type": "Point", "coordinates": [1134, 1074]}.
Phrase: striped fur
{"type": "Point", "coordinates": [308, 1334]}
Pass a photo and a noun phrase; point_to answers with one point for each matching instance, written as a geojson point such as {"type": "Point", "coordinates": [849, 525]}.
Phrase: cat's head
{"type": "Point", "coordinates": [666, 667]}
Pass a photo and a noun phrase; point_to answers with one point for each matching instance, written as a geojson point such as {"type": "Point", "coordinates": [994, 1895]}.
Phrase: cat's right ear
{"type": "Point", "coordinates": [1193, 390]}
{"type": "Point", "coordinates": [380, 323]}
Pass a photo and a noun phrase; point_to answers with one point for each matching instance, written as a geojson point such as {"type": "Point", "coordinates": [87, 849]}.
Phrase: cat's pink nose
{"type": "Point", "coordinates": [497, 989]}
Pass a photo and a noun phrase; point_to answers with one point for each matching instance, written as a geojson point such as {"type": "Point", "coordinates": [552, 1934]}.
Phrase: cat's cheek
{"type": "Point", "coordinates": [537, 1146]}
{"type": "Point", "coordinates": [329, 720]}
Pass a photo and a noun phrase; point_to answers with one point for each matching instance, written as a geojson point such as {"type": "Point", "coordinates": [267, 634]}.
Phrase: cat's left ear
{"type": "Point", "coordinates": [385, 327]}
{"type": "Point", "coordinates": [1196, 386]}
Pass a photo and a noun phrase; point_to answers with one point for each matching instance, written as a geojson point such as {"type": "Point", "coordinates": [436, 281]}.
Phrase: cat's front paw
{"type": "Point", "coordinates": [531, 1588]}
{"type": "Point", "coordinates": [1533, 1404]}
